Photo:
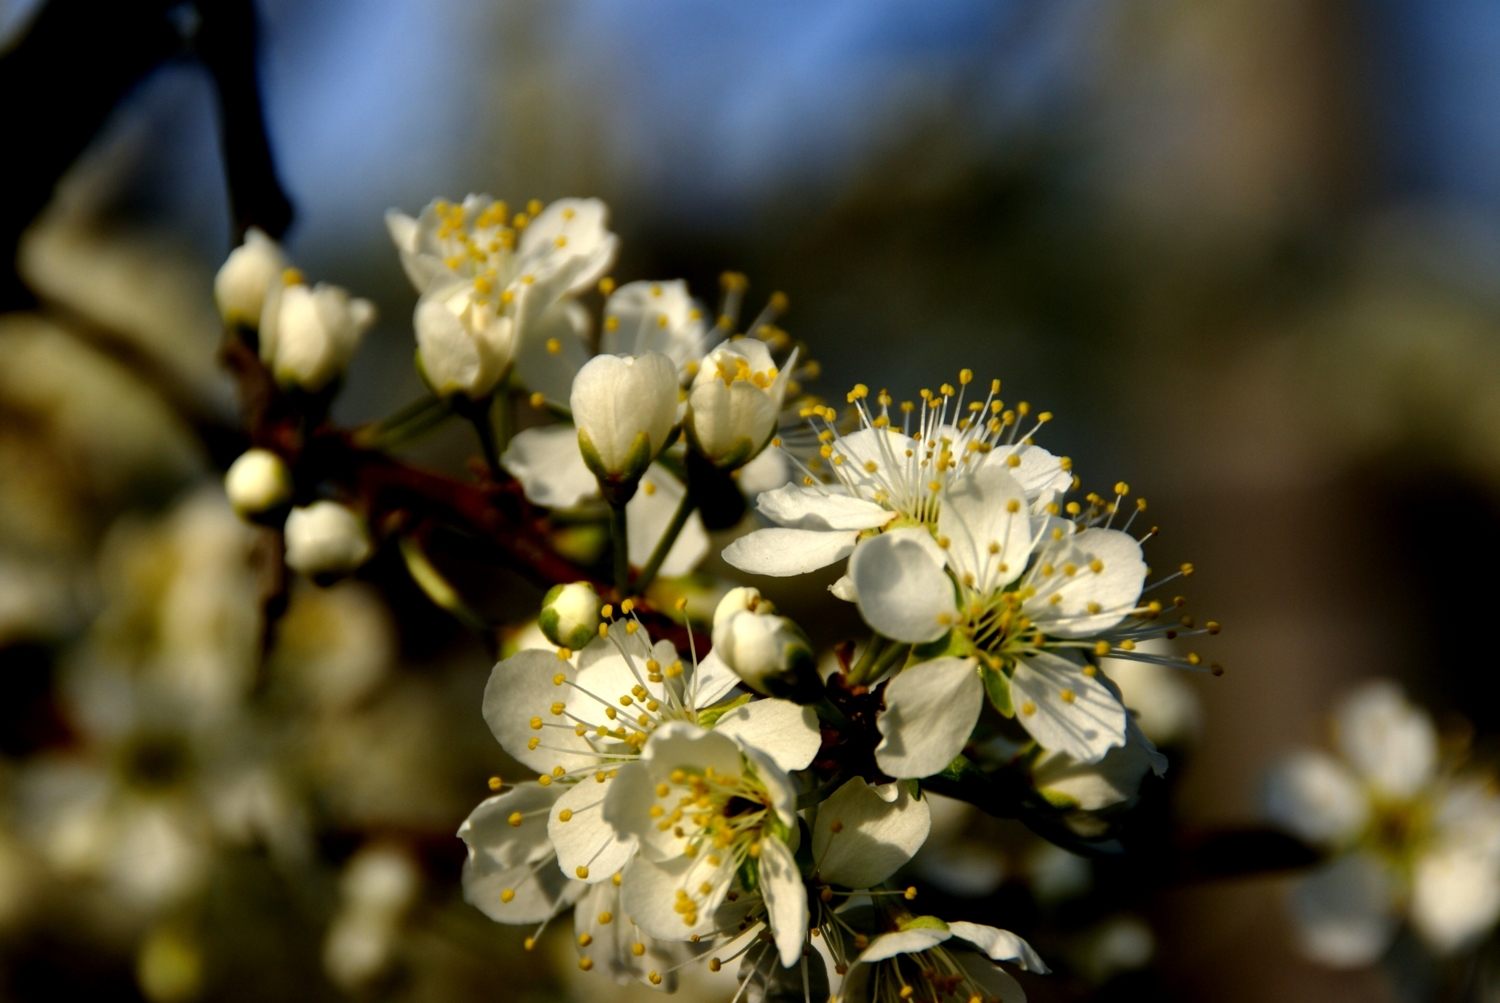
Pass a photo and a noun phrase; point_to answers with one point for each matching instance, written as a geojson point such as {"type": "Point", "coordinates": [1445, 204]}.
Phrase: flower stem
{"type": "Point", "coordinates": [478, 412]}
{"type": "Point", "coordinates": [664, 545]}
{"type": "Point", "coordinates": [411, 412]}
{"type": "Point", "coordinates": [865, 668]}
{"type": "Point", "coordinates": [620, 545]}
{"type": "Point", "coordinates": [391, 433]}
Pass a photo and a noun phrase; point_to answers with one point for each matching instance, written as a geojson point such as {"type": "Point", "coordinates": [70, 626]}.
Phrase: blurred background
{"type": "Point", "coordinates": [1248, 252]}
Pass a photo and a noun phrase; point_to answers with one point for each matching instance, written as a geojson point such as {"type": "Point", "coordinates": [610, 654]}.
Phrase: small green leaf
{"type": "Point", "coordinates": [923, 923]}
{"type": "Point", "coordinates": [997, 688]}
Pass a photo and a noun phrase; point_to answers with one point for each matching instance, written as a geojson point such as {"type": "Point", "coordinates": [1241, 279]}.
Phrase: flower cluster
{"type": "Point", "coordinates": [731, 797]}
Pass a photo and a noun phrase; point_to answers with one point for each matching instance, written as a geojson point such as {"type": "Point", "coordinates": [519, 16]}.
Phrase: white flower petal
{"type": "Point", "coordinates": [1113, 590]}
{"type": "Point", "coordinates": [1039, 473]}
{"type": "Point", "coordinates": [888, 945]}
{"type": "Point", "coordinates": [1000, 945]}
{"type": "Point", "coordinates": [844, 589]}
{"type": "Point", "coordinates": [654, 317]}
{"type": "Point", "coordinates": [1344, 912]}
{"type": "Point", "coordinates": [711, 682]}
{"type": "Point", "coordinates": [1455, 895]}
{"type": "Point", "coordinates": [549, 466]}
{"type": "Point", "coordinates": [782, 553]}
{"type": "Point", "coordinates": [1315, 797]}
{"type": "Point", "coordinates": [987, 522]}
{"type": "Point", "coordinates": [766, 472]}
{"type": "Point", "coordinates": [520, 693]}
{"type": "Point", "coordinates": [489, 834]}
{"type": "Point", "coordinates": [781, 791]}
{"type": "Point", "coordinates": [536, 893]}
{"type": "Point", "coordinates": [567, 248]}
{"type": "Point", "coordinates": [876, 835]}
{"type": "Point", "coordinates": [1085, 727]}
{"type": "Point", "coordinates": [930, 710]}
{"type": "Point", "coordinates": [554, 349]}
{"type": "Point", "coordinates": [786, 732]}
{"type": "Point", "coordinates": [786, 899]}
{"type": "Point", "coordinates": [904, 593]}
{"type": "Point", "coordinates": [615, 399]}
{"type": "Point", "coordinates": [647, 516]}
{"type": "Point", "coordinates": [612, 940]}
{"type": "Point", "coordinates": [1389, 742]}
{"type": "Point", "coordinates": [648, 892]}
{"type": "Point", "coordinates": [796, 506]}
{"type": "Point", "coordinates": [586, 840]}
{"type": "Point", "coordinates": [1092, 786]}
{"type": "Point", "coordinates": [991, 978]}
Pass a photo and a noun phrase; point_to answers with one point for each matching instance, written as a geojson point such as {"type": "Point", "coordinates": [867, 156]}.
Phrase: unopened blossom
{"type": "Point", "coordinates": [578, 719]}
{"type": "Point", "coordinates": [308, 334]}
{"type": "Point", "coordinates": [570, 614]}
{"type": "Point", "coordinates": [491, 281]}
{"type": "Point", "coordinates": [246, 276]}
{"type": "Point", "coordinates": [549, 466]}
{"type": "Point", "coordinates": [882, 474]}
{"type": "Point", "coordinates": [1409, 837]}
{"type": "Point", "coordinates": [625, 408]}
{"type": "Point", "coordinates": [326, 540]}
{"type": "Point", "coordinates": [770, 653]}
{"type": "Point", "coordinates": [257, 482]}
{"type": "Point", "coordinates": [735, 402]}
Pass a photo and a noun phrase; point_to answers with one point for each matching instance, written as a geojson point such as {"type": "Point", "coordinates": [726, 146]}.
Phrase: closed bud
{"type": "Point", "coordinates": [769, 653]}
{"type": "Point", "coordinates": [326, 540]}
{"type": "Point", "coordinates": [738, 599]}
{"type": "Point", "coordinates": [257, 483]}
{"type": "Point", "coordinates": [734, 403]}
{"type": "Point", "coordinates": [570, 615]}
{"type": "Point", "coordinates": [309, 334]}
{"type": "Point", "coordinates": [625, 408]}
{"type": "Point", "coordinates": [246, 276]}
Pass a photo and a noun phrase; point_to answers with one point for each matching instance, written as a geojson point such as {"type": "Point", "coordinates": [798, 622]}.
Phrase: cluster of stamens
{"type": "Point", "coordinates": [722, 816]}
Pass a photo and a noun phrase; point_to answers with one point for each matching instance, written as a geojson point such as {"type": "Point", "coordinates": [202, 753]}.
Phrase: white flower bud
{"type": "Point", "coordinates": [464, 341]}
{"type": "Point", "coordinates": [770, 653]}
{"type": "Point", "coordinates": [258, 482]}
{"type": "Point", "coordinates": [308, 335]}
{"type": "Point", "coordinates": [570, 615]}
{"type": "Point", "coordinates": [735, 401]}
{"type": "Point", "coordinates": [742, 597]}
{"type": "Point", "coordinates": [326, 540]}
{"type": "Point", "coordinates": [246, 276]}
{"type": "Point", "coordinates": [625, 408]}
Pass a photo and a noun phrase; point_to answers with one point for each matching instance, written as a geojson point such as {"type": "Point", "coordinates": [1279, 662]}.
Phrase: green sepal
{"type": "Point", "coordinates": [548, 620]}
{"type": "Point", "coordinates": [997, 688]}
{"type": "Point", "coordinates": [954, 643]}
{"type": "Point", "coordinates": [709, 716]}
{"type": "Point", "coordinates": [914, 788]}
{"type": "Point", "coordinates": [923, 923]}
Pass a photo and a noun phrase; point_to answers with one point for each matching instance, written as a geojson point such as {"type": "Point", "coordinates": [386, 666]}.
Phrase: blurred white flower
{"type": "Point", "coordinates": [247, 276]}
{"type": "Point", "coordinates": [335, 644]}
{"type": "Point", "coordinates": [377, 888]}
{"type": "Point", "coordinates": [1409, 836]}
{"type": "Point", "coordinates": [624, 407]}
{"type": "Point", "coordinates": [956, 959]}
{"type": "Point", "coordinates": [308, 335]}
{"type": "Point", "coordinates": [1164, 705]}
{"type": "Point", "coordinates": [326, 539]}
{"type": "Point", "coordinates": [257, 482]}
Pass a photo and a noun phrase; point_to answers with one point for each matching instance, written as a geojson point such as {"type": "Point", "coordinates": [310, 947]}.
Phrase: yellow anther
{"type": "Point", "coordinates": [1013, 506]}
{"type": "Point", "coordinates": [585, 939]}
{"type": "Point", "coordinates": [528, 943]}
{"type": "Point", "coordinates": [515, 819]}
{"type": "Point", "coordinates": [545, 780]}
{"type": "Point", "coordinates": [558, 707]}
{"type": "Point", "coordinates": [1028, 708]}
{"type": "Point", "coordinates": [553, 346]}
{"type": "Point", "coordinates": [507, 895]}
{"type": "Point", "coordinates": [537, 400]}
{"type": "Point", "coordinates": [638, 949]}
{"type": "Point", "coordinates": [1187, 569]}
{"type": "Point", "coordinates": [606, 285]}
{"type": "Point", "coordinates": [910, 893]}
{"type": "Point", "coordinates": [1070, 570]}
{"type": "Point", "coordinates": [565, 815]}
{"type": "Point", "coordinates": [582, 871]}
{"type": "Point", "coordinates": [558, 771]}
{"type": "Point", "coordinates": [1068, 696]}
{"type": "Point", "coordinates": [1096, 566]}
{"type": "Point", "coordinates": [1044, 417]}
{"type": "Point", "coordinates": [496, 783]}
{"type": "Point", "coordinates": [586, 964]}
{"type": "Point", "coordinates": [292, 277]}
{"type": "Point", "coordinates": [536, 724]}
{"type": "Point", "coordinates": [534, 207]}
{"type": "Point", "coordinates": [1102, 648]}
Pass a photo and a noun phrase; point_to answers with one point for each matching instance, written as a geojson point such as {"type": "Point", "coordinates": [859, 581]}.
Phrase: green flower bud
{"type": "Point", "coordinates": [570, 615]}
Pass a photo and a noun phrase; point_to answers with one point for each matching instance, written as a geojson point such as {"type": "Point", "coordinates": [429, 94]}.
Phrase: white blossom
{"type": "Point", "coordinates": [1409, 836]}
{"type": "Point", "coordinates": [309, 334]}
{"type": "Point", "coordinates": [956, 959]}
{"type": "Point", "coordinates": [326, 539]}
{"type": "Point", "coordinates": [880, 474]}
{"type": "Point", "coordinates": [769, 652]}
{"type": "Point", "coordinates": [492, 283]}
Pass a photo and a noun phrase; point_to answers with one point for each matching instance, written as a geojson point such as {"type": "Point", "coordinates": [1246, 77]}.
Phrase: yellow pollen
{"type": "Point", "coordinates": [586, 964]}
{"type": "Point", "coordinates": [536, 724]}
{"type": "Point", "coordinates": [506, 895]}
{"type": "Point", "coordinates": [582, 871]}
{"type": "Point", "coordinates": [565, 815]}
{"type": "Point", "coordinates": [1102, 648]}
{"type": "Point", "coordinates": [545, 780]}
{"type": "Point", "coordinates": [585, 939]}
{"type": "Point", "coordinates": [1028, 708]}
{"type": "Point", "coordinates": [638, 949]}
{"type": "Point", "coordinates": [515, 819]}
{"type": "Point", "coordinates": [496, 783]}
{"type": "Point", "coordinates": [1068, 696]}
